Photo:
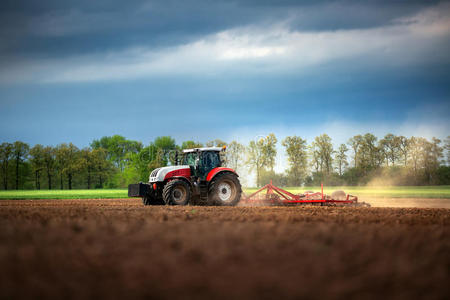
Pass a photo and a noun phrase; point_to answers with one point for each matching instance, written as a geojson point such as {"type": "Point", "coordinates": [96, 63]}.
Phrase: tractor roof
{"type": "Point", "coordinates": [217, 149]}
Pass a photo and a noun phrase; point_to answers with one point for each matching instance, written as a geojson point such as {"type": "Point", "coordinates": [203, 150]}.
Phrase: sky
{"type": "Point", "coordinates": [74, 71]}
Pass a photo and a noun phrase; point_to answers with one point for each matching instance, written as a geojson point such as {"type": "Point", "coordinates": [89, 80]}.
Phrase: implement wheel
{"type": "Point", "coordinates": [339, 195]}
{"type": "Point", "coordinates": [176, 192]}
{"type": "Point", "coordinates": [225, 190]}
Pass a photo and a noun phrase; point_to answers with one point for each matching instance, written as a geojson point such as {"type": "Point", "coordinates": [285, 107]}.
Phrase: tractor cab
{"type": "Point", "coordinates": [202, 160]}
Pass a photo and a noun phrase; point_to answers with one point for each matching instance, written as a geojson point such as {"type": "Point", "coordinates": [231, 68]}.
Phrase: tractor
{"type": "Point", "coordinates": [197, 179]}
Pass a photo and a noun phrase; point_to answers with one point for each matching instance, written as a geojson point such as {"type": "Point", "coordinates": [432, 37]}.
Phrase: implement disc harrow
{"type": "Point", "coordinates": [278, 197]}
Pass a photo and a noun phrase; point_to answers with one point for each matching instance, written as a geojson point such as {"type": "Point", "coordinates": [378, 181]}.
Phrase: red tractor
{"type": "Point", "coordinates": [200, 179]}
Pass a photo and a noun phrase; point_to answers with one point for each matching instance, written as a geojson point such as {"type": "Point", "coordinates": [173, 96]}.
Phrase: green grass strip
{"type": "Point", "coordinates": [65, 194]}
{"type": "Point", "coordinates": [383, 192]}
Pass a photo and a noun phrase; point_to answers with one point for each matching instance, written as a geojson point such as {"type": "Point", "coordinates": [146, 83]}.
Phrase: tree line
{"type": "Point", "coordinates": [114, 161]}
{"type": "Point", "coordinates": [364, 159]}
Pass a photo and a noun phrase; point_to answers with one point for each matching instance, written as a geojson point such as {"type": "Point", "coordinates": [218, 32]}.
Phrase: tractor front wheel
{"type": "Point", "coordinates": [176, 192]}
{"type": "Point", "coordinates": [147, 200]}
{"type": "Point", "coordinates": [225, 190]}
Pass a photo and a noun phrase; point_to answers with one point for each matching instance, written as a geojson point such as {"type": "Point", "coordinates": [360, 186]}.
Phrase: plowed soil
{"type": "Point", "coordinates": [119, 249]}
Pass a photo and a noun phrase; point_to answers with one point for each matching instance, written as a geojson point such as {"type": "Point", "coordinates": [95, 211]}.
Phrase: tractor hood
{"type": "Point", "coordinates": [161, 174]}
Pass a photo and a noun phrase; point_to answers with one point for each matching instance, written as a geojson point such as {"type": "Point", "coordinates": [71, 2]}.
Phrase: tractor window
{"type": "Point", "coordinates": [211, 160]}
{"type": "Point", "coordinates": [189, 158]}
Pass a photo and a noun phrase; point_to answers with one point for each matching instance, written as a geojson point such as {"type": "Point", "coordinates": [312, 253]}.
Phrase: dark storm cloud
{"type": "Point", "coordinates": [62, 28]}
{"type": "Point", "coordinates": [80, 70]}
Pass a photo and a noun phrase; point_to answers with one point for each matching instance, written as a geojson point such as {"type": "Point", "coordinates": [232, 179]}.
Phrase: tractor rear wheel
{"type": "Point", "coordinates": [225, 190]}
{"type": "Point", "coordinates": [176, 192]}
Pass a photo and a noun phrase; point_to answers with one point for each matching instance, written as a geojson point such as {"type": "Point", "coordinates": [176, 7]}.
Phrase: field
{"type": "Point", "coordinates": [362, 192]}
{"type": "Point", "coordinates": [119, 249]}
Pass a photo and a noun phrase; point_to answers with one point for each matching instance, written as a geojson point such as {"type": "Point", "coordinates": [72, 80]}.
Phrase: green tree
{"type": "Point", "coordinates": [255, 158]}
{"type": "Point", "coordinates": [369, 153]}
{"type": "Point", "coordinates": [20, 153]}
{"type": "Point", "coordinates": [6, 154]}
{"type": "Point", "coordinates": [296, 150]}
{"type": "Point", "coordinates": [144, 161]}
{"type": "Point", "coordinates": [427, 160]}
{"type": "Point", "coordinates": [355, 143]}
{"type": "Point", "coordinates": [384, 151]}
{"type": "Point", "coordinates": [86, 163]}
{"type": "Point", "coordinates": [277, 179]}
{"type": "Point", "coordinates": [341, 158]}
{"type": "Point", "coordinates": [437, 151]}
{"type": "Point", "coordinates": [416, 145]}
{"type": "Point", "coordinates": [234, 155]}
{"type": "Point", "coordinates": [216, 143]}
{"type": "Point", "coordinates": [447, 149]}
{"type": "Point", "coordinates": [191, 145]}
{"type": "Point", "coordinates": [103, 167]}
{"type": "Point", "coordinates": [61, 161]}
{"type": "Point", "coordinates": [165, 143]}
{"type": "Point", "coordinates": [432, 156]}
{"type": "Point", "coordinates": [403, 147]}
{"type": "Point", "coordinates": [117, 148]}
{"type": "Point", "coordinates": [269, 151]}
{"type": "Point", "coordinates": [49, 163]}
{"type": "Point", "coordinates": [37, 163]}
{"type": "Point", "coordinates": [159, 160]}
{"type": "Point", "coordinates": [323, 149]}
{"type": "Point", "coordinates": [390, 145]}
{"type": "Point", "coordinates": [167, 147]}
{"type": "Point", "coordinates": [261, 155]}
{"type": "Point", "coordinates": [72, 166]}
{"type": "Point", "coordinates": [443, 175]}
{"type": "Point", "coordinates": [67, 160]}
{"type": "Point", "coordinates": [315, 158]}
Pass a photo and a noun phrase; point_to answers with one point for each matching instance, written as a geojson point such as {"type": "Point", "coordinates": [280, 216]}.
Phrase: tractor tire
{"type": "Point", "coordinates": [176, 192]}
{"type": "Point", "coordinates": [146, 200]}
{"type": "Point", "coordinates": [225, 190]}
{"type": "Point", "coordinates": [151, 201]}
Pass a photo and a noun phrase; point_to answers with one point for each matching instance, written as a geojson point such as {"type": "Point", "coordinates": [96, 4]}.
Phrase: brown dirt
{"type": "Point", "coordinates": [119, 249]}
{"type": "Point", "coordinates": [408, 202]}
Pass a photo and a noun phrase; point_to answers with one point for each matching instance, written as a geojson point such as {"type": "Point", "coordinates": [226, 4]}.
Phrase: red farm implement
{"type": "Point", "coordinates": [279, 197]}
